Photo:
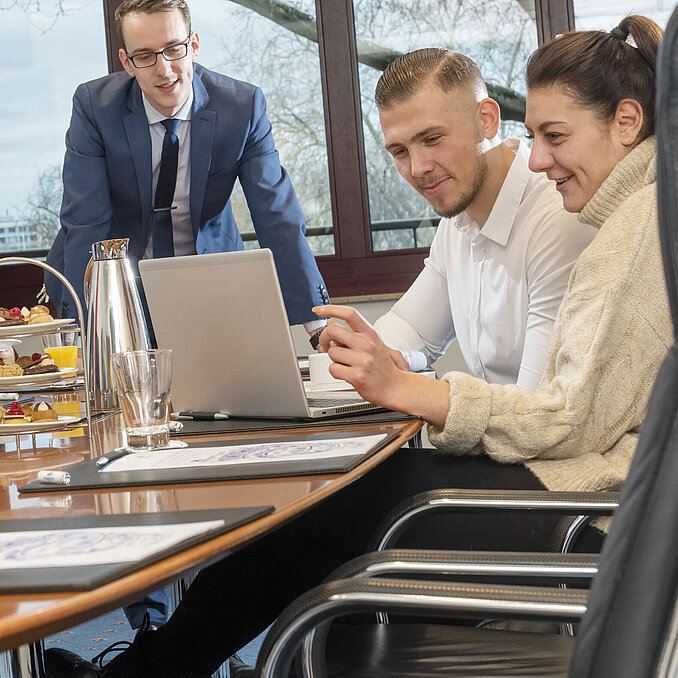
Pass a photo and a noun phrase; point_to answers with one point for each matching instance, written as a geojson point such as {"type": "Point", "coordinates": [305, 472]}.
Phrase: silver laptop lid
{"type": "Point", "coordinates": [224, 318]}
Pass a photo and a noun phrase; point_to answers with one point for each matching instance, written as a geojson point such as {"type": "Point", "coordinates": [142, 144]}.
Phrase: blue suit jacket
{"type": "Point", "coordinates": [108, 182]}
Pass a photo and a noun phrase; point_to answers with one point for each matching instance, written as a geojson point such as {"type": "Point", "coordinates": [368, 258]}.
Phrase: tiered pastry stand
{"type": "Point", "coordinates": [39, 330]}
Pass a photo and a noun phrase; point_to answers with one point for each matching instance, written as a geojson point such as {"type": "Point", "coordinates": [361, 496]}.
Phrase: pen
{"type": "Point", "coordinates": [190, 415]}
{"type": "Point", "coordinates": [111, 457]}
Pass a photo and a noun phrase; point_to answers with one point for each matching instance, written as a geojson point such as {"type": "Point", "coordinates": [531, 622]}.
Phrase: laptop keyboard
{"type": "Point", "coordinates": [333, 402]}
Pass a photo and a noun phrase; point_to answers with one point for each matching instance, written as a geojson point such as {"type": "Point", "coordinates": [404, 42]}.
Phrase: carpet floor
{"type": "Point", "coordinates": [90, 638]}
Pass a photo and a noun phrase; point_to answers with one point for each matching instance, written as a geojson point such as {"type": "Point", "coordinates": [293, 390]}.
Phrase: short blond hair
{"type": "Point", "coordinates": [406, 75]}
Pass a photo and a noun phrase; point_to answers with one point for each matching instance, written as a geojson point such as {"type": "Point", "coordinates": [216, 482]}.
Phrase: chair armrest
{"type": "Point", "coordinates": [316, 608]}
{"type": "Point", "coordinates": [505, 564]}
{"type": "Point", "coordinates": [483, 501]}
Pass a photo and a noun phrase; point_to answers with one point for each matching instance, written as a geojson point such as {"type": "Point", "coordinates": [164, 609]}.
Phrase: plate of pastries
{"type": "Point", "coordinates": [25, 322]}
{"type": "Point", "coordinates": [19, 417]}
{"type": "Point", "coordinates": [21, 370]}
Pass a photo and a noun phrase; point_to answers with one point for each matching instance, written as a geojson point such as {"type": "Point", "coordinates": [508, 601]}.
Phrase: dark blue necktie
{"type": "Point", "coordinates": [163, 244]}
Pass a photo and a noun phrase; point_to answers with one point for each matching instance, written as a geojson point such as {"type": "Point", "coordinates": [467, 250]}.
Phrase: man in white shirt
{"type": "Point", "coordinates": [502, 255]}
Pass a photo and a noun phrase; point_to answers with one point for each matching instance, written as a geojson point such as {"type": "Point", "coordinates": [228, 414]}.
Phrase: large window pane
{"type": "Point", "coordinates": [498, 34]}
{"type": "Point", "coordinates": [606, 14]}
{"type": "Point", "coordinates": [49, 48]}
{"type": "Point", "coordinates": [282, 59]}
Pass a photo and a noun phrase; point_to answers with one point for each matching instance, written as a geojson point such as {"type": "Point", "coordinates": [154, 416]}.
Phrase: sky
{"type": "Point", "coordinates": [44, 63]}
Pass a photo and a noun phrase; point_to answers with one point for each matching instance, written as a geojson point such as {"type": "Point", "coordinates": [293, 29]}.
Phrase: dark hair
{"type": "Point", "coordinates": [150, 7]}
{"type": "Point", "coordinates": [599, 69]}
{"type": "Point", "coordinates": [410, 72]}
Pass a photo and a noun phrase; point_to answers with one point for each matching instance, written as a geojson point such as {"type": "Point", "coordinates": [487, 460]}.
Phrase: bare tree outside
{"type": "Point", "coordinates": [498, 34]}
{"type": "Point", "coordinates": [43, 205]}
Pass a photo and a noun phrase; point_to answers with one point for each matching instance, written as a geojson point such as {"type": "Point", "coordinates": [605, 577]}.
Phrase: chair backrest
{"type": "Point", "coordinates": [633, 597]}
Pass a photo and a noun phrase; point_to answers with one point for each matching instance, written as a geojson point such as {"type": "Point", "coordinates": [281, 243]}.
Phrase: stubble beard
{"type": "Point", "coordinates": [467, 198]}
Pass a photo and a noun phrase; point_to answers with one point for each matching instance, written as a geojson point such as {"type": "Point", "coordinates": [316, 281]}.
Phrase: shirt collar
{"type": "Point", "coordinates": [500, 221]}
{"type": "Point", "coordinates": [154, 116]}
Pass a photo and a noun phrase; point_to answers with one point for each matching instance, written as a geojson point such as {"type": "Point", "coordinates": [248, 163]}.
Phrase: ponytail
{"type": "Point", "coordinates": [599, 69]}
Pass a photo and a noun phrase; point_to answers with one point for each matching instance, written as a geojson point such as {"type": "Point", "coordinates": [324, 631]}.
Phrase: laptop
{"type": "Point", "coordinates": [224, 318]}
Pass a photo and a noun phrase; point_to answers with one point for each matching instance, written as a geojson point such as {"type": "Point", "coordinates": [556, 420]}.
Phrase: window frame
{"type": "Point", "coordinates": [355, 269]}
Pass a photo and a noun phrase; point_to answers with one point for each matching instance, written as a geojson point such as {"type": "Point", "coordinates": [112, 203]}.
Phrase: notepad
{"type": "Point", "coordinates": [258, 453]}
{"type": "Point", "coordinates": [95, 545]}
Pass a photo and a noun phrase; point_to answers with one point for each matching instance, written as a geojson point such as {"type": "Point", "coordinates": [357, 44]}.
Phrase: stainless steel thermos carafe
{"type": "Point", "coordinates": [115, 319]}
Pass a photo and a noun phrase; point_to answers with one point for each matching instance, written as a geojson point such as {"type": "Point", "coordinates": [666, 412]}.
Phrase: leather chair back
{"type": "Point", "coordinates": [632, 600]}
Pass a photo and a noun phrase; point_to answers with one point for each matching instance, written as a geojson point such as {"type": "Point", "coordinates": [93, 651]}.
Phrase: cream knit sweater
{"type": "Point", "coordinates": [579, 429]}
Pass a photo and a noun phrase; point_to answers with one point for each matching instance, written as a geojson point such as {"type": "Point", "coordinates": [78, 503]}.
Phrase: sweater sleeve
{"type": "Point", "coordinates": [603, 358]}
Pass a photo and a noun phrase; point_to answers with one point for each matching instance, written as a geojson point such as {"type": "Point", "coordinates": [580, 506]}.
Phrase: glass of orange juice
{"type": "Point", "coordinates": [63, 348]}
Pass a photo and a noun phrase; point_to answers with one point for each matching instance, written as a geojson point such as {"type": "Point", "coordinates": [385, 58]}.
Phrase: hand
{"type": "Point", "coordinates": [360, 357]}
{"type": "Point", "coordinates": [372, 368]}
{"type": "Point", "coordinates": [325, 342]}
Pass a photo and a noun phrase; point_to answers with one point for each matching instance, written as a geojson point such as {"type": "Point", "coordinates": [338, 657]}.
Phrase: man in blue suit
{"type": "Point", "coordinates": [113, 157]}
{"type": "Point", "coordinates": [115, 151]}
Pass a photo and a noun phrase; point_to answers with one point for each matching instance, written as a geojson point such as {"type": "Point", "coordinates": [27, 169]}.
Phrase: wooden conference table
{"type": "Point", "coordinates": [25, 618]}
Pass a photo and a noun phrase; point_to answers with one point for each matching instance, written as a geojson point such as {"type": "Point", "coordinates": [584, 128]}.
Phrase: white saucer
{"type": "Point", "coordinates": [312, 387]}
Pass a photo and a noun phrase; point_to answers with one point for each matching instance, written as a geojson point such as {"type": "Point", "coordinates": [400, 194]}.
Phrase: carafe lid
{"type": "Point", "coordinates": [110, 249]}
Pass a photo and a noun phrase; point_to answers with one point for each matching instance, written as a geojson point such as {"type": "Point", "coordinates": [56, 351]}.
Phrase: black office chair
{"type": "Point", "coordinates": [629, 625]}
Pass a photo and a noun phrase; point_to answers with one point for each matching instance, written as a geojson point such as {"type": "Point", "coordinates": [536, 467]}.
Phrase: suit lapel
{"type": "Point", "coordinates": [139, 139]}
{"type": "Point", "coordinates": [203, 122]}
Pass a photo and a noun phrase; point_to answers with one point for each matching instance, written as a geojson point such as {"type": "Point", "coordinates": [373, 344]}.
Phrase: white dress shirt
{"type": "Point", "coordinates": [182, 227]}
{"type": "Point", "coordinates": [497, 289]}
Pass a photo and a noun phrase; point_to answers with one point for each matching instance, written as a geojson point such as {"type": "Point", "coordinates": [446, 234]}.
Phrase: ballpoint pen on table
{"type": "Point", "coordinates": [190, 415]}
{"type": "Point", "coordinates": [111, 456]}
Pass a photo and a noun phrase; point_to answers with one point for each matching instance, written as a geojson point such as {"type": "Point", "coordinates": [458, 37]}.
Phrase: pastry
{"type": "Point", "coordinates": [12, 370]}
{"type": "Point", "coordinates": [39, 318]}
{"type": "Point", "coordinates": [38, 314]}
{"type": "Point", "coordinates": [44, 412]}
{"type": "Point", "coordinates": [7, 354]}
{"type": "Point", "coordinates": [15, 415]}
{"type": "Point", "coordinates": [13, 321]}
{"type": "Point", "coordinates": [3, 411]}
{"type": "Point", "coordinates": [41, 369]}
{"type": "Point", "coordinates": [4, 313]}
{"type": "Point", "coordinates": [42, 365]}
{"type": "Point", "coordinates": [24, 361]}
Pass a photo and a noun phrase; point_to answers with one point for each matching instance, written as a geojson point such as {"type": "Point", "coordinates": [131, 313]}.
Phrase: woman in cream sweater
{"type": "Point", "coordinates": [590, 111]}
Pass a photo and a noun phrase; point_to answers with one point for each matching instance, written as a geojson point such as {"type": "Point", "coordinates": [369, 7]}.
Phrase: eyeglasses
{"type": "Point", "coordinates": [148, 59]}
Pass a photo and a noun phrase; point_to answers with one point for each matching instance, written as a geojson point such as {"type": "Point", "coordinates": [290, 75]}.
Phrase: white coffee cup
{"type": "Point", "coordinates": [319, 369]}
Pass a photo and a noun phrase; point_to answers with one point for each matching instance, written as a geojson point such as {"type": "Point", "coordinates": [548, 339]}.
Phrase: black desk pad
{"type": "Point", "coordinates": [86, 578]}
{"type": "Point", "coordinates": [237, 425]}
{"type": "Point", "coordinates": [86, 476]}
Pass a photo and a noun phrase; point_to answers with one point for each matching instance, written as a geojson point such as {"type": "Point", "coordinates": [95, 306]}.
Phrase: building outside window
{"type": "Point", "coordinates": [49, 48]}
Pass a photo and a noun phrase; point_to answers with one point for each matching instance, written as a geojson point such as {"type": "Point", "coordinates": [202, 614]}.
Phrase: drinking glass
{"type": "Point", "coordinates": [63, 348]}
{"type": "Point", "coordinates": [143, 381]}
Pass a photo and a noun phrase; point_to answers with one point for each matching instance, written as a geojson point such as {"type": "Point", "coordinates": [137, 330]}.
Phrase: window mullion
{"type": "Point", "coordinates": [343, 127]}
{"type": "Point", "coordinates": [553, 18]}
